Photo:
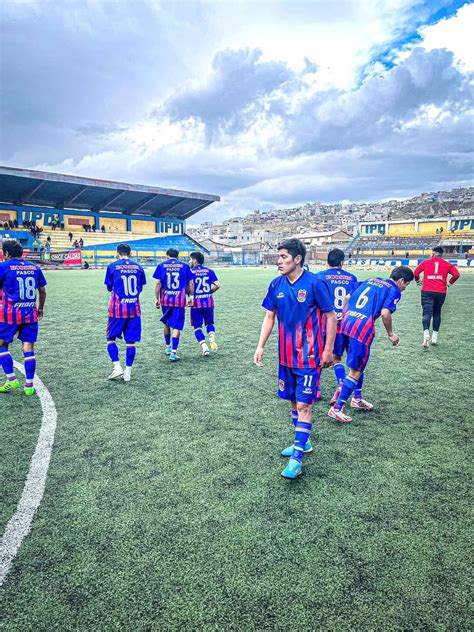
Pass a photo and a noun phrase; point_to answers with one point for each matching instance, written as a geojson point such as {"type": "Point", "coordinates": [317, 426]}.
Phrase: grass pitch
{"type": "Point", "coordinates": [164, 506]}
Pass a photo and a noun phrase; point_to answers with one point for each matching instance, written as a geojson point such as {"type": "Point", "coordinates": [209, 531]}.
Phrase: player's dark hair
{"type": "Point", "coordinates": [124, 250]}
{"type": "Point", "coordinates": [197, 256]}
{"type": "Point", "coordinates": [438, 249]}
{"type": "Point", "coordinates": [335, 257]}
{"type": "Point", "coordinates": [172, 253]}
{"type": "Point", "coordinates": [13, 248]}
{"type": "Point", "coordinates": [295, 247]}
{"type": "Point", "coordinates": [402, 272]}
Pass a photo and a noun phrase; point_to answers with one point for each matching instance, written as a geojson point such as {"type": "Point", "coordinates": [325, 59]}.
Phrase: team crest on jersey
{"type": "Point", "coordinates": [281, 385]}
{"type": "Point", "coordinates": [301, 296]}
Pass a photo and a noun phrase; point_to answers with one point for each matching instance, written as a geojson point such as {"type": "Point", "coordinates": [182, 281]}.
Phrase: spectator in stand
{"type": "Point", "coordinates": [70, 235]}
{"type": "Point", "coordinates": [103, 228]}
{"type": "Point", "coordinates": [75, 244]}
{"type": "Point", "coordinates": [10, 224]}
{"type": "Point", "coordinates": [36, 245]}
{"type": "Point", "coordinates": [62, 225]}
{"type": "Point", "coordinates": [93, 227]}
{"type": "Point", "coordinates": [81, 243]}
{"type": "Point", "coordinates": [15, 223]}
{"type": "Point", "coordinates": [48, 240]}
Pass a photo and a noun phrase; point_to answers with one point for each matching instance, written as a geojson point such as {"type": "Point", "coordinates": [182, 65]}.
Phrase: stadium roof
{"type": "Point", "coordinates": [41, 188]}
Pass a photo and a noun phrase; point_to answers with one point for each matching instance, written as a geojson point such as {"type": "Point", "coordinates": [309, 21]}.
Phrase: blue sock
{"type": "Point", "coordinates": [112, 350]}
{"type": "Point", "coordinates": [302, 430]}
{"type": "Point", "coordinates": [174, 344]}
{"type": "Point", "coordinates": [358, 388]}
{"type": "Point", "coordinates": [6, 362]}
{"type": "Point", "coordinates": [30, 367]}
{"type": "Point", "coordinates": [130, 354]}
{"type": "Point", "coordinates": [167, 339]}
{"type": "Point", "coordinates": [200, 337]}
{"type": "Point", "coordinates": [347, 389]}
{"type": "Point", "coordinates": [340, 373]}
{"type": "Point", "coordinates": [294, 417]}
{"type": "Point", "coordinates": [210, 329]}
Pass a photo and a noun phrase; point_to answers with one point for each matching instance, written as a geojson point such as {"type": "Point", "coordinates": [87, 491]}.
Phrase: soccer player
{"type": "Point", "coordinates": [372, 298]}
{"type": "Point", "coordinates": [174, 280]}
{"type": "Point", "coordinates": [433, 291]}
{"type": "Point", "coordinates": [22, 298]}
{"type": "Point", "coordinates": [298, 299]}
{"type": "Point", "coordinates": [341, 284]}
{"type": "Point", "coordinates": [125, 280]}
{"type": "Point", "coordinates": [205, 284]}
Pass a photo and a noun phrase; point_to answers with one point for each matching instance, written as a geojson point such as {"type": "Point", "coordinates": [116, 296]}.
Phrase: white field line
{"type": "Point", "coordinates": [19, 524]}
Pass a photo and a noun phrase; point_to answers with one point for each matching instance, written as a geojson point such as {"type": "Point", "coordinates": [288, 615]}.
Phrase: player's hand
{"type": "Point", "coordinates": [40, 314]}
{"type": "Point", "coordinates": [257, 358]}
{"type": "Point", "coordinates": [327, 359]}
{"type": "Point", "coordinates": [394, 339]}
{"type": "Point", "coordinates": [418, 282]}
{"type": "Point", "coordinates": [190, 302]}
{"type": "Point", "coordinates": [157, 303]}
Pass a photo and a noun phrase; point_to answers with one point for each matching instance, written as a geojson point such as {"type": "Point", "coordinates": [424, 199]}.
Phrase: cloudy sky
{"type": "Point", "coordinates": [267, 104]}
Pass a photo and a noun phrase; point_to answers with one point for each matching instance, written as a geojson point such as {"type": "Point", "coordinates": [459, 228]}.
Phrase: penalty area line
{"type": "Point", "coordinates": [19, 524]}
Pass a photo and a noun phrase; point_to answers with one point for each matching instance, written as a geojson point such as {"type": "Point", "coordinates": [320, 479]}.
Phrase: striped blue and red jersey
{"type": "Point", "coordinates": [19, 282]}
{"type": "Point", "coordinates": [340, 284]}
{"type": "Point", "coordinates": [365, 306]}
{"type": "Point", "coordinates": [299, 307]}
{"type": "Point", "coordinates": [125, 280]}
{"type": "Point", "coordinates": [174, 276]}
{"type": "Point", "coordinates": [203, 280]}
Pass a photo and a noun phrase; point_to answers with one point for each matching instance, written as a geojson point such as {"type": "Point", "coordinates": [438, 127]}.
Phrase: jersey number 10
{"type": "Point", "coordinates": [130, 285]}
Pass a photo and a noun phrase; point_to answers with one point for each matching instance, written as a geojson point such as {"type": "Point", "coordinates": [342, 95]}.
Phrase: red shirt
{"type": "Point", "coordinates": [435, 273]}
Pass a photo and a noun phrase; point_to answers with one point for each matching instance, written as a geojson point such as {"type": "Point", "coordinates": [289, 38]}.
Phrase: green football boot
{"type": "Point", "coordinates": [10, 385]}
{"type": "Point", "coordinates": [29, 390]}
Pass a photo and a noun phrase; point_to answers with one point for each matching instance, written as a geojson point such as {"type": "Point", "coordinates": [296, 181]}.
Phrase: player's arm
{"type": "Point", "coordinates": [190, 292]}
{"type": "Point", "coordinates": [158, 294]}
{"type": "Point", "coordinates": [388, 324]}
{"type": "Point", "coordinates": [109, 279]}
{"type": "Point", "coordinates": [215, 286]}
{"type": "Point", "coordinates": [331, 328]}
{"type": "Point", "coordinates": [455, 274]}
{"type": "Point", "coordinates": [41, 301]}
{"type": "Point", "coordinates": [267, 327]}
{"type": "Point", "coordinates": [418, 270]}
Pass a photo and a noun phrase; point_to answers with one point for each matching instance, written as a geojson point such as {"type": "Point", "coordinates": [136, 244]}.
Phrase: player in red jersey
{"type": "Point", "coordinates": [433, 291]}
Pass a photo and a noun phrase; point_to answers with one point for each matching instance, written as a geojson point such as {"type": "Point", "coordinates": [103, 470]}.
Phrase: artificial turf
{"type": "Point", "coordinates": [164, 507]}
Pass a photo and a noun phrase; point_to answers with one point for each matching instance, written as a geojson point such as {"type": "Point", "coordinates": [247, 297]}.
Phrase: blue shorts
{"type": "Point", "coordinates": [299, 385]}
{"type": "Point", "coordinates": [173, 317]}
{"type": "Point", "coordinates": [27, 332]}
{"type": "Point", "coordinates": [129, 328]}
{"type": "Point", "coordinates": [341, 344]}
{"type": "Point", "coordinates": [358, 355]}
{"type": "Point", "coordinates": [200, 315]}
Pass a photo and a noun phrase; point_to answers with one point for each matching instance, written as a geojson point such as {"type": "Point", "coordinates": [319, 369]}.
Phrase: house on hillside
{"type": "Point", "coordinates": [325, 238]}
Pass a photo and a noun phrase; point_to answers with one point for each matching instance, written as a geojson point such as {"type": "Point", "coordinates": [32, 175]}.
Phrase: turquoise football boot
{"type": "Point", "coordinates": [287, 452]}
{"type": "Point", "coordinates": [292, 470]}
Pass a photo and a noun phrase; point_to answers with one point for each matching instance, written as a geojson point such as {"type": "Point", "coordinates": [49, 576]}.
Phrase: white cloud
{"type": "Point", "coordinates": [262, 103]}
{"type": "Point", "coordinates": [454, 34]}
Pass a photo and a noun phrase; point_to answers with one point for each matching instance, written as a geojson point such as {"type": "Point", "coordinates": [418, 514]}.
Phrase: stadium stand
{"type": "Point", "coordinates": [415, 237]}
{"type": "Point", "coordinates": [101, 213]}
